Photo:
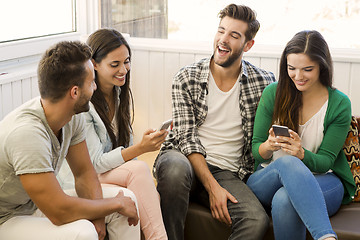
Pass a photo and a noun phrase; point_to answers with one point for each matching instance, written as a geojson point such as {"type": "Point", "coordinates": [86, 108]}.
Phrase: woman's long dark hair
{"type": "Point", "coordinates": [288, 100]}
{"type": "Point", "coordinates": [102, 42]}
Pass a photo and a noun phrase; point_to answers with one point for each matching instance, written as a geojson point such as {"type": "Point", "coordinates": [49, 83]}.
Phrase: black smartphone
{"type": "Point", "coordinates": [281, 130]}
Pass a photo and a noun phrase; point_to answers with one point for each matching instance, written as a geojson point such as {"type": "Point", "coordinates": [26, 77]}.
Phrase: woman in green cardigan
{"type": "Point", "coordinates": [302, 178]}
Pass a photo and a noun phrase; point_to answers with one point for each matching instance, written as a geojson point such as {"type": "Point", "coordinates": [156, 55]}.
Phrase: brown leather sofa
{"type": "Point", "coordinates": [201, 225]}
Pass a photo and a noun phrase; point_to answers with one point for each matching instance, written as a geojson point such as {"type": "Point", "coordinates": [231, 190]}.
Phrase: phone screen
{"type": "Point", "coordinates": [165, 125]}
{"type": "Point", "coordinates": [281, 130]}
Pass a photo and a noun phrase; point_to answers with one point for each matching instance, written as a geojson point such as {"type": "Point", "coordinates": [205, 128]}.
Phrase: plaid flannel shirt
{"type": "Point", "coordinates": [189, 108]}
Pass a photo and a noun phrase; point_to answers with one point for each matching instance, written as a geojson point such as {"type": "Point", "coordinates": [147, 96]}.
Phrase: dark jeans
{"type": "Point", "coordinates": [177, 183]}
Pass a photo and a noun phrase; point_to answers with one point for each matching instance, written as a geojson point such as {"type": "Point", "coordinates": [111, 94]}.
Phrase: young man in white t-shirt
{"type": "Point", "coordinates": [207, 156]}
{"type": "Point", "coordinates": [34, 140]}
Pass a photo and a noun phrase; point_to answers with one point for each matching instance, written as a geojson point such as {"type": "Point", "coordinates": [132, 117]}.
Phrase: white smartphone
{"type": "Point", "coordinates": [281, 130]}
{"type": "Point", "coordinates": [165, 125]}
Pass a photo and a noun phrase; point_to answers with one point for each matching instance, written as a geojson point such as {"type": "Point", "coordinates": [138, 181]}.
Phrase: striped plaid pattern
{"type": "Point", "coordinates": [189, 108]}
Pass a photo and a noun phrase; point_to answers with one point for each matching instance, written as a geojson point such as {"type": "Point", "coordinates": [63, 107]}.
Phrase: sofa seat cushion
{"type": "Point", "coordinates": [201, 225]}
{"type": "Point", "coordinates": [346, 222]}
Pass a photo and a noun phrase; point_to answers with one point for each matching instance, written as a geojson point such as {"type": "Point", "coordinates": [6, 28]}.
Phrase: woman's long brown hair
{"type": "Point", "coordinates": [288, 100]}
{"type": "Point", "coordinates": [102, 42]}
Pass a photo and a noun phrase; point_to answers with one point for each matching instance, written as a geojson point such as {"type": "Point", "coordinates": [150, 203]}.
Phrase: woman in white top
{"type": "Point", "coordinates": [109, 132]}
{"type": "Point", "coordinates": [111, 152]}
{"type": "Point", "coordinates": [302, 178]}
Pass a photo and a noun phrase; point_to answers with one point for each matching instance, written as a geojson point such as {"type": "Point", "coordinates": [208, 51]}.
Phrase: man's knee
{"type": "Point", "coordinates": [130, 194]}
{"type": "Point", "coordinates": [110, 191]}
{"type": "Point", "coordinates": [85, 230]}
{"type": "Point", "coordinates": [254, 217]}
{"type": "Point", "coordinates": [261, 220]}
{"type": "Point", "coordinates": [174, 169]}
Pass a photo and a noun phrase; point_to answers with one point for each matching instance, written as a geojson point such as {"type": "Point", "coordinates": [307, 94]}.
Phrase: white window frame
{"type": "Point", "coordinates": [87, 20]}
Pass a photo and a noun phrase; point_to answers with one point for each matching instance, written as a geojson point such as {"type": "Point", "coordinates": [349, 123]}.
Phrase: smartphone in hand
{"type": "Point", "coordinates": [281, 130]}
{"type": "Point", "coordinates": [165, 125]}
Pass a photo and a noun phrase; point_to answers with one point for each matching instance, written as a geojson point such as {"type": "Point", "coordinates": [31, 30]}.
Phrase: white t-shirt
{"type": "Point", "coordinates": [221, 133]}
{"type": "Point", "coordinates": [28, 145]}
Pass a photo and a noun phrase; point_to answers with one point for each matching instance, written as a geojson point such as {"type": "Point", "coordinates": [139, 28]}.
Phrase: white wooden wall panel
{"type": "Point", "coordinates": [355, 88]}
{"type": "Point", "coordinates": [253, 60]}
{"type": "Point", "coordinates": [140, 88]}
{"type": "Point", "coordinates": [16, 92]}
{"type": "Point", "coordinates": [34, 87]}
{"type": "Point", "coordinates": [26, 89]}
{"type": "Point", "coordinates": [6, 98]}
{"type": "Point", "coordinates": [270, 64]}
{"type": "Point", "coordinates": [1, 103]}
{"type": "Point", "coordinates": [172, 66]}
{"type": "Point", "coordinates": [156, 88]}
{"type": "Point", "coordinates": [186, 59]}
{"type": "Point", "coordinates": [342, 76]}
{"type": "Point", "coordinates": [152, 72]}
{"type": "Point", "coordinates": [198, 57]}
{"type": "Point", "coordinates": [2, 100]}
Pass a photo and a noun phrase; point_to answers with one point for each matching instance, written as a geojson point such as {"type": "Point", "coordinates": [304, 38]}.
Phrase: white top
{"type": "Point", "coordinates": [311, 133]}
{"type": "Point", "coordinates": [221, 133]}
{"type": "Point", "coordinates": [102, 154]}
{"type": "Point", "coordinates": [114, 121]}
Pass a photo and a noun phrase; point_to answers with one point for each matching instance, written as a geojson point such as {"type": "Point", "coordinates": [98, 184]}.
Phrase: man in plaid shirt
{"type": "Point", "coordinates": [207, 155]}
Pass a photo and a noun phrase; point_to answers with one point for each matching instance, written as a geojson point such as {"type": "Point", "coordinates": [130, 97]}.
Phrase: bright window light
{"type": "Point", "coordinates": [337, 20]}
{"type": "Point", "coordinates": [24, 19]}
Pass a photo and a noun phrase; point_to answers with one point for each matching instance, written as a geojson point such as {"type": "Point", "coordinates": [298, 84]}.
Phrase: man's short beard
{"type": "Point", "coordinates": [82, 107]}
{"type": "Point", "coordinates": [229, 61]}
{"type": "Point", "coordinates": [235, 56]}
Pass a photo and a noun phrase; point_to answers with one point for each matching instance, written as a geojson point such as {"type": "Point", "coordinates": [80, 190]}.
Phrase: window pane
{"type": "Point", "coordinates": [33, 18]}
{"type": "Point", "coordinates": [139, 18]}
{"type": "Point", "coordinates": [337, 20]}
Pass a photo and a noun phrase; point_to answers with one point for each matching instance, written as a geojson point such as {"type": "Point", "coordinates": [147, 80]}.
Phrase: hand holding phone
{"type": "Point", "coordinates": [281, 130]}
{"type": "Point", "coordinates": [165, 125]}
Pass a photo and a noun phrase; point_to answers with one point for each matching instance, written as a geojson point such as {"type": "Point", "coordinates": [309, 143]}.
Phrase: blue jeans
{"type": "Point", "coordinates": [298, 199]}
{"type": "Point", "coordinates": [177, 183]}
